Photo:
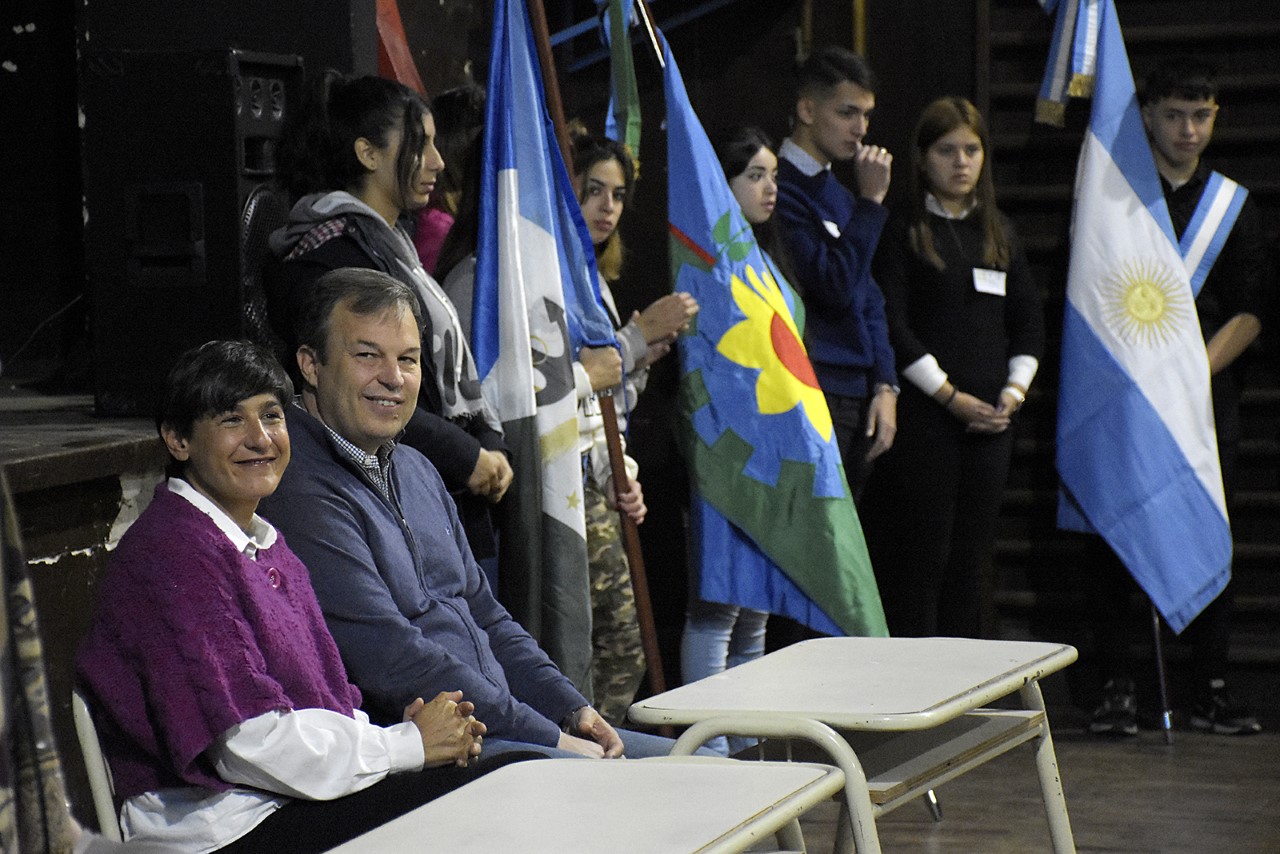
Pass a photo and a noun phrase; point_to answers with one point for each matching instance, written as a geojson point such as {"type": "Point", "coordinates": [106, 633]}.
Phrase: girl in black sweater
{"type": "Point", "coordinates": [967, 329]}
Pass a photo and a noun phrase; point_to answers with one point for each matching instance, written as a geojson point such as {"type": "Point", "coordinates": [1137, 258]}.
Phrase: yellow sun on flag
{"type": "Point", "coordinates": [769, 340]}
{"type": "Point", "coordinates": [1144, 302]}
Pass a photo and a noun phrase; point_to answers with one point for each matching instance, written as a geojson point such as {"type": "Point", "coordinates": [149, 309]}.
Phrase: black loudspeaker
{"type": "Point", "coordinates": [175, 144]}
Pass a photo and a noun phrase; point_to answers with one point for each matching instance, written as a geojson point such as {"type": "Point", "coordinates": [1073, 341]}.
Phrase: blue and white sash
{"type": "Point", "coordinates": [1210, 225]}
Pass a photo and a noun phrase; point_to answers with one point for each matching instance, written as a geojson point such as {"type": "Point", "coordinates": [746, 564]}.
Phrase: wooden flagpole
{"type": "Point", "coordinates": [550, 84]}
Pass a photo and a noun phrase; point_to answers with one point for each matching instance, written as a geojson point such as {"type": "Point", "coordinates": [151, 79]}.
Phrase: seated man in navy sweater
{"type": "Point", "coordinates": [399, 588]}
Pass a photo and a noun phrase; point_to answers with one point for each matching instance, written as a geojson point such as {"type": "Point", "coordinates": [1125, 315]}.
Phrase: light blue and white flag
{"type": "Point", "coordinates": [1137, 453]}
{"type": "Point", "coordinates": [536, 301]}
{"type": "Point", "coordinates": [1073, 57]}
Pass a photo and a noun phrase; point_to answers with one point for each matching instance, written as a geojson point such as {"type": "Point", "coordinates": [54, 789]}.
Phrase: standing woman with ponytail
{"type": "Point", "coordinates": [358, 160]}
{"type": "Point", "coordinates": [965, 320]}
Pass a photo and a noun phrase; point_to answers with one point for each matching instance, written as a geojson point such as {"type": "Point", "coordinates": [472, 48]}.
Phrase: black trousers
{"type": "Point", "coordinates": [849, 420]}
{"type": "Point", "coordinates": [303, 827]}
{"type": "Point", "coordinates": [929, 514]}
{"type": "Point", "coordinates": [1119, 618]}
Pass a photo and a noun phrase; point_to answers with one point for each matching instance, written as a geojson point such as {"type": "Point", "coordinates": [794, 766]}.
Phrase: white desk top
{"type": "Point", "coordinates": [864, 683]}
{"type": "Point", "coordinates": [670, 804]}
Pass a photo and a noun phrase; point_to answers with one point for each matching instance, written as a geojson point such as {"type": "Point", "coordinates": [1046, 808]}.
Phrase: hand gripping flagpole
{"type": "Point", "coordinates": [630, 536]}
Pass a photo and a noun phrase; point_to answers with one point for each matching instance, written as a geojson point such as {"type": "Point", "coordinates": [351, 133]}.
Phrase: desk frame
{"type": "Point", "coordinates": [857, 830]}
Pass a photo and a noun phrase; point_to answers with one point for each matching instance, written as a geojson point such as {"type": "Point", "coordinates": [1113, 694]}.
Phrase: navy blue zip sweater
{"type": "Point", "coordinates": [409, 608]}
{"type": "Point", "coordinates": [845, 332]}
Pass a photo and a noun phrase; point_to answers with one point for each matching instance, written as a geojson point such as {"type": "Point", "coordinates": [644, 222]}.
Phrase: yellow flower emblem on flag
{"type": "Point", "coordinates": [769, 341]}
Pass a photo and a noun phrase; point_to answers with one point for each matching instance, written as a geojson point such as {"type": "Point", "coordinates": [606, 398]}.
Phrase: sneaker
{"type": "Point", "coordinates": [1218, 712]}
{"type": "Point", "coordinates": [1118, 713]}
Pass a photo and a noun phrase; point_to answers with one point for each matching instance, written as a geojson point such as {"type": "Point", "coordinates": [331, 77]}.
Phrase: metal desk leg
{"type": "Point", "coordinates": [935, 808]}
{"type": "Point", "coordinates": [844, 830]}
{"type": "Point", "coordinates": [790, 837]}
{"type": "Point", "coordinates": [862, 820]}
{"type": "Point", "coordinates": [1055, 802]}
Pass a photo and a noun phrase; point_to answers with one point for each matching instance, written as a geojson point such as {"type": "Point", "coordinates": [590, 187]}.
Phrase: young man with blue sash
{"type": "Point", "coordinates": [1221, 239]}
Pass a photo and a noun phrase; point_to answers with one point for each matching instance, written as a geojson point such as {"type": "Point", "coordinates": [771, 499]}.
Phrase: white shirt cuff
{"type": "Point", "coordinates": [404, 744]}
{"type": "Point", "coordinates": [1022, 370]}
{"type": "Point", "coordinates": [310, 753]}
{"type": "Point", "coordinates": [925, 374]}
{"type": "Point", "coordinates": [581, 381]}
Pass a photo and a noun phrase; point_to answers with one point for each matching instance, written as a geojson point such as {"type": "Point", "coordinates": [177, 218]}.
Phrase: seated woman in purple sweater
{"type": "Point", "coordinates": [225, 711]}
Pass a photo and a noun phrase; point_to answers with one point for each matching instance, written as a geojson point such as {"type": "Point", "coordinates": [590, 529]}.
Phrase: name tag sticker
{"type": "Point", "coordinates": [988, 281]}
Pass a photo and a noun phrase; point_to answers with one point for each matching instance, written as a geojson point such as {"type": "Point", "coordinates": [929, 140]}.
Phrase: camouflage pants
{"type": "Point", "coordinates": [617, 655]}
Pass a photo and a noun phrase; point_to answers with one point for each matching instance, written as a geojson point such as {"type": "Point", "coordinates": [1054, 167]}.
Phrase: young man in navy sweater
{"type": "Point", "coordinates": [831, 233]}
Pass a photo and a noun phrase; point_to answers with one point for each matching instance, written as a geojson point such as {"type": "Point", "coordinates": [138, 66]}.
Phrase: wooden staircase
{"type": "Point", "coordinates": [1035, 169]}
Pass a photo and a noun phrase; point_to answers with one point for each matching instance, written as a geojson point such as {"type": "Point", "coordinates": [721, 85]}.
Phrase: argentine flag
{"type": "Point", "coordinates": [1136, 453]}
{"type": "Point", "coordinates": [536, 302]}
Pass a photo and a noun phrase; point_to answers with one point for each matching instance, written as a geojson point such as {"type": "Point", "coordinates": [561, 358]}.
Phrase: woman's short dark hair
{"type": "Point", "coordinates": [364, 292]}
{"type": "Point", "coordinates": [464, 235]}
{"type": "Point", "coordinates": [317, 147]}
{"type": "Point", "coordinates": [213, 378]}
{"type": "Point", "coordinates": [459, 114]}
{"type": "Point", "coordinates": [736, 148]}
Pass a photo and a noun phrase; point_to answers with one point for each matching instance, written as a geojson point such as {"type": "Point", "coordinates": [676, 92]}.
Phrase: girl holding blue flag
{"type": "Point", "coordinates": [606, 176]}
{"type": "Point", "coordinates": [966, 322]}
{"type": "Point", "coordinates": [719, 635]}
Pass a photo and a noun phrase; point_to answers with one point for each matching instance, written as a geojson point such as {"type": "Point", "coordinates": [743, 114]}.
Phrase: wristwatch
{"type": "Point", "coordinates": [569, 723]}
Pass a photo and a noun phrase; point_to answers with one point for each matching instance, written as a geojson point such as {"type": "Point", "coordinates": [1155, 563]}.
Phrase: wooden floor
{"type": "Point", "coordinates": [1203, 795]}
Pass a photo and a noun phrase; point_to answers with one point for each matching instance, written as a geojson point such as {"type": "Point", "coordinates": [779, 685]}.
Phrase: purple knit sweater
{"type": "Point", "coordinates": [190, 638]}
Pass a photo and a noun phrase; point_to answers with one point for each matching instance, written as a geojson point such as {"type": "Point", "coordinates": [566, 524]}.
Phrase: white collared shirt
{"type": "Point", "coordinates": [933, 206]}
{"type": "Point", "coordinates": [306, 753]}
{"type": "Point", "coordinates": [801, 159]}
{"type": "Point", "coordinates": [261, 534]}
